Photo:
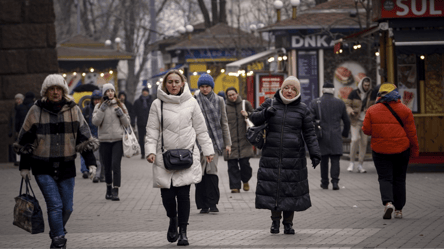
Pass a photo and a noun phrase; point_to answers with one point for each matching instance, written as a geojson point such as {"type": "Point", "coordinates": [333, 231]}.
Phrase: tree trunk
{"type": "Point", "coordinates": [214, 12]}
{"type": "Point", "coordinates": [85, 19]}
{"type": "Point", "coordinates": [205, 13]}
{"type": "Point", "coordinates": [222, 11]}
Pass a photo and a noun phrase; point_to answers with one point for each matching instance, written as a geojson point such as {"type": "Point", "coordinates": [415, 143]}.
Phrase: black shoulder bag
{"type": "Point", "coordinates": [394, 114]}
{"type": "Point", "coordinates": [177, 159]}
{"type": "Point", "coordinates": [257, 135]}
{"type": "Point", "coordinates": [317, 122]}
{"type": "Point", "coordinates": [27, 212]}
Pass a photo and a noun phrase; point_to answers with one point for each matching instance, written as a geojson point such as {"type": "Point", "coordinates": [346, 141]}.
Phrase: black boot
{"type": "Point", "coordinates": [115, 194]}
{"type": "Point", "coordinates": [109, 194]}
{"type": "Point", "coordinates": [288, 228]}
{"type": "Point", "coordinates": [274, 226]}
{"type": "Point", "coordinates": [172, 234]}
{"type": "Point", "coordinates": [335, 186]}
{"type": "Point", "coordinates": [58, 242]}
{"type": "Point", "coordinates": [183, 240]}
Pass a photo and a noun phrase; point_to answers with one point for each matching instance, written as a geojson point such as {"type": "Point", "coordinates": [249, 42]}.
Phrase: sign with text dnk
{"type": "Point", "coordinates": [312, 41]}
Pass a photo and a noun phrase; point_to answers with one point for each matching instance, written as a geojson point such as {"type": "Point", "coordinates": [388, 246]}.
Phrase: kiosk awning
{"type": "Point", "coordinates": [419, 41]}
{"type": "Point", "coordinates": [233, 67]}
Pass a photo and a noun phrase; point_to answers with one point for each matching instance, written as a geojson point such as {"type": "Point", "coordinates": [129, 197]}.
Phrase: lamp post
{"type": "Point", "coordinates": [189, 28]}
{"type": "Point", "coordinates": [278, 6]}
{"type": "Point", "coordinates": [295, 4]}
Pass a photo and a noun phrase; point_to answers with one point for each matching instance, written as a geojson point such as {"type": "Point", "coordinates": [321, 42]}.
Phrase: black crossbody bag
{"type": "Point", "coordinates": [394, 114]}
{"type": "Point", "coordinates": [176, 159]}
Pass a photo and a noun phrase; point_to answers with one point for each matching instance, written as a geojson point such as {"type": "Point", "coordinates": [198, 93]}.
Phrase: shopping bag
{"type": "Point", "coordinates": [27, 212]}
{"type": "Point", "coordinates": [131, 146]}
{"type": "Point", "coordinates": [247, 121]}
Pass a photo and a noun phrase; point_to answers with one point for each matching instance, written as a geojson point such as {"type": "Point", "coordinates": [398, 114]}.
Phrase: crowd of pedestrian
{"type": "Point", "coordinates": [50, 131]}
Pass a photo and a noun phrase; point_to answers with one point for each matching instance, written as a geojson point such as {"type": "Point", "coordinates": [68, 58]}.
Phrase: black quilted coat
{"type": "Point", "coordinates": [282, 183]}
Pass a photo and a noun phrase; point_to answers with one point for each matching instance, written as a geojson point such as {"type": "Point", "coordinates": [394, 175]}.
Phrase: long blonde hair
{"type": "Point", "coordinates": [182, 77]}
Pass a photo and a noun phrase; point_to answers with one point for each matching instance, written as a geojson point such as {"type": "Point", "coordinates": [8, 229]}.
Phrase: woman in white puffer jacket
{"type": "Point", "coordinates": [183, 123]}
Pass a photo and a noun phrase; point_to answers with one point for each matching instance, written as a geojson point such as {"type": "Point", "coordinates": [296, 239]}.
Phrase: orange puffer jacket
{"type": "Point", "coordinates": [388, 136]}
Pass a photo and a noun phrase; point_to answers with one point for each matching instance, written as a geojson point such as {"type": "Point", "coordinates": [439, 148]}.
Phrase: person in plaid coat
{"type": "Point", "coordinates": [53, 132]}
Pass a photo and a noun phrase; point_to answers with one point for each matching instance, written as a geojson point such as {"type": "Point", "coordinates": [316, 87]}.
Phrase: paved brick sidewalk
{"type": "Point", "coordinates": [349, 218]}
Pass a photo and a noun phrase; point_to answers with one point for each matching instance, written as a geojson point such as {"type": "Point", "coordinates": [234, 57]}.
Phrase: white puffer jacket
{"type": "Point", "coordinates": [183, 122]}
{"type": "Point", "coordinates": [109, 124]}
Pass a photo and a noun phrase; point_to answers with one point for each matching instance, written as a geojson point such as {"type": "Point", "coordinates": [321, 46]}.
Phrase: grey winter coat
{"type": "Point", "coordinates": [240, 147]}
{"type": "Point", "coordinates": [332, 111]}
{"type": "Point", "coordinates": [109, 124]}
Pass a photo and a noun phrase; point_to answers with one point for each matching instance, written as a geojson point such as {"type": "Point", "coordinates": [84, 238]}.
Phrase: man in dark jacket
{"type": "Point", "coordinates": [129, 107]}
{"type": "Point", "coordinates": [142, 109]}
{"type": "Point", "coordinates": [331, 112]}
{"type": "Point", "coordinates": [29, 100]}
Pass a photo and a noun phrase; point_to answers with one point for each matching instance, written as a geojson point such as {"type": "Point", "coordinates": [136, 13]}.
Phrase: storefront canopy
{"type": "Point", "coordinates": [419, 41]}
{"type": "Point", "coordinates": [235, 66]}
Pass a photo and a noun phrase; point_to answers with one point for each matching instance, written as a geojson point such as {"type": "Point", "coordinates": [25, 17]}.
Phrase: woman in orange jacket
{"type": "Point", "coordinates": [394, 141]}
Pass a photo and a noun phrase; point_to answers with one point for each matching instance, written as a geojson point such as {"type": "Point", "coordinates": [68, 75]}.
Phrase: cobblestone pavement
{"type": "Point", "coordinates": [348, 218]}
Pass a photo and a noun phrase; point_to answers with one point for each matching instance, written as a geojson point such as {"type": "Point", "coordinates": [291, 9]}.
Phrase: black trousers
{"type": "Point", "coordinates": [182, 208]}
{"type": "Point", "coordinates": [142, 133]}
{"type": "Point", "coordinates": [334, 169]}
{"type": "Point", "coordinates": [111, 156]}
{"type": "Point", "coordinates": [239, 170]}
{"type": "Point", "coordinates": [288, 216]}
{"type": "Point", "coordinates": [207, 191]}
{"type": "Point", "coordinates": [392, 172]}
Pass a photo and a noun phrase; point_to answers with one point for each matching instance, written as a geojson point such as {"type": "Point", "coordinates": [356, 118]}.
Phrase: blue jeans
{"type": "Point", "coordinates": [83, 167]}
{"type": "Point", "coordinates": [59, 201]}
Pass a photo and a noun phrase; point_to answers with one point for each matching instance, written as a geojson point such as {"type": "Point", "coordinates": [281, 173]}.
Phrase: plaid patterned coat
{"type": "Point", "coordinates": [49, 142]}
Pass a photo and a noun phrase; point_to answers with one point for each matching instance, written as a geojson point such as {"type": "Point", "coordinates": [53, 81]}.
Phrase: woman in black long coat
{"type": "Point", "coordinates": [282, 184]}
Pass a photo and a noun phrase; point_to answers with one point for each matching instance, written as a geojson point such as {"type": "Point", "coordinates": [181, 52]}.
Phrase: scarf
{"type": "Point", "coordinates": [54, 107]}
{"type": "Point", "coordinates": [145, 101]}
{"type": "Point", "coordinates": [288, 101]}
{"type": "Point", "coordinates": [210, 108]}
{"type": "Point", "coordinates": [391, 96]}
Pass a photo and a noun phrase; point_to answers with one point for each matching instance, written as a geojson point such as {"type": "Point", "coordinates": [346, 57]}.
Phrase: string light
{"type": "Point", "coordinates": [102, 74]}
{"type": "Point", "coordinates": [64, 75]}
{"type": "Point", "coordinates": [422, 57]}
{"type": "Point", "coordinates": [279, 58]}
{"type": "Point", "coordinates": [377, 53]}
{"type": "Point", "coordinates": [195, 73]}
{"type": "Point", "coordinates": [92, 70]}
{"type": "Point", "coordinates": [208, 71]}
{"type": "Point", "coordinates": [284, 57]}
{"type": "Point", "coordinates": [74, 73]}
{"type": "Point", "coordinates": [181, 71]}
{"type": "Point", "coordinates": [111, 72]}
{"type": "Point", "coordinates": [222, 70]}
{"type": "Point", "coordinates": [83, 74]}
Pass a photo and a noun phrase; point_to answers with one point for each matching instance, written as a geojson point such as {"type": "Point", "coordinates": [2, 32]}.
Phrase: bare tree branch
{"type": "Point", "coordinates": [205, 14]}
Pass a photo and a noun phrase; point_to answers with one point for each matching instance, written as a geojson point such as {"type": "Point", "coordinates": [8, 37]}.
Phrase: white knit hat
{"type": "Point", "coordinates": [291, 80]}
{"type": "Point", "coordinates": [106, 87]}
{"type": "Point", "coordinates": [54, 80]}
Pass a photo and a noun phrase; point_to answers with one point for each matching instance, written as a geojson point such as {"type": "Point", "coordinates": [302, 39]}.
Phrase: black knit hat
{"type": "Point", "coordinates": [328, 85]}
{"type": "Point", "coordinates": [146, 89]}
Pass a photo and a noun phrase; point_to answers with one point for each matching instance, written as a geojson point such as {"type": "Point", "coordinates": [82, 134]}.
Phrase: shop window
{"type": "Point", "coordinates": [434, 84]}
{"type": "Point", "coordinates": [408, 81]}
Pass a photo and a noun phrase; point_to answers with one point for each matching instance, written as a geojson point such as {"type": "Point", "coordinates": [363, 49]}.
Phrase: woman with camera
{"type": "Point", "coordinates": [282, 178]}
{"type": "Point", "coordinates": [110, 116]}
{"type": "Point", "coordinates": [175, 122]}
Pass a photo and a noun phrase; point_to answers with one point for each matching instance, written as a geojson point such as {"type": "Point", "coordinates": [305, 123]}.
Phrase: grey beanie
{"type": "Point", "coordinates": [19, 96]}
{"type": "Point", "coordinates": [106, 87]}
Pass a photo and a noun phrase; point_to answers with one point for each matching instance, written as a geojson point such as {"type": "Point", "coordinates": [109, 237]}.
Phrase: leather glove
{"type": "Point", "coordinates": [92, 171]}
{"type": "Point", "coordinates": [315, 162]}
{"type": "Point", "coordinates": [104, 105]}
{"type": "Point", "coordinates": [119, 112]}
{"type": "Point", "coordinates": [26, 149]}
{"type": "Point", "coordinates": [25, 173]}
{"type": "Point", "coordinates": [270, 112]}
